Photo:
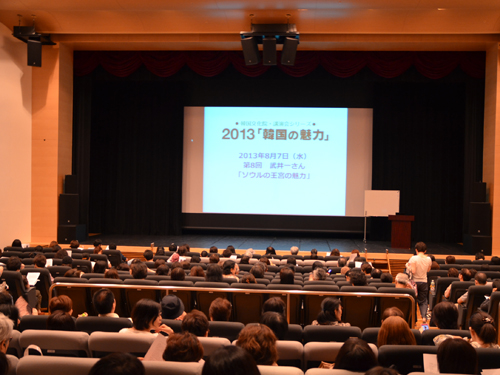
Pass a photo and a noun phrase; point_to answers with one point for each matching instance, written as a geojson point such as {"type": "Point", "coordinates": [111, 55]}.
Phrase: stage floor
{"type": "Point", "coordinates": [260, 242]}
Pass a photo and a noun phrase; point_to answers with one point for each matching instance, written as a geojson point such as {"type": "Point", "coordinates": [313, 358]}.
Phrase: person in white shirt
{"type": "Point", "coordinates": [420, 264]}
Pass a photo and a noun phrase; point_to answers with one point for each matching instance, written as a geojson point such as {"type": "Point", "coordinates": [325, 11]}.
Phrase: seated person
{"type": "Point", "coordinates": [139, 270]}
{"type": "Point", "coordinates": [287, 276]}
{"type": "Point", "coordinates": [260, 342]}
{"type": "Point", "coordinates": [183, 347]}
{"type": "Point", "coordinates": [146, 319]}
{"type": "Point", "coordinates": [220, 310]}
{"type": "Point", "coordinates": [118, 364]}
{"type": "Point", "coordinates": [480, 279]}
{"type": "Point", "coordinates": [6, 327]}
{"type": "Point", "coordinates": [357, 278]}
{"type": "Point", "coordinates": [277, 322]}
{"type": "Point", "coordinates": [230, 359]}
{"type": "Point", "coordinates": [464, 275]}
{"type": "Point", "coordinates": [62, 302]}
{"type": "Point", "coordinates": [172, 307]}
{"type": "Point", "coordinates": [230, 270]}
{"type": "Point", "coordinates": [395, 331]}
{"type": "Point", "coordinates": [391, 311]}
{"type": "Point", "coordinates": [275, 304]}
{"type": "Point", "coordinates": [402, 281]}
{"type": "Point", "coordinates": [61, 321]}
{"type": "Point", "coordinates": [318, 274]}
{"type": "Point", "coordinates": [355, 355]}
{"type": "Point", "coordinates": [196, 323]}
{"type": "Point", "coordinates": [105, 303]}
{"type": "Point", "coordinates": [456, 356]}
{"type": "Point", "coordinates": [330, 314]}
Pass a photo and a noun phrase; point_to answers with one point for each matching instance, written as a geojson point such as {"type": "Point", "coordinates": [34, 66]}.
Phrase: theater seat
{"type": "Point", "coordinates": [91, 324]}
{"type": "Point", "coordinates": [406, 358]}
{"type": "Point", "coordinates": [315, 352]}
{"type": "Point", "coordinates": [279, 370]}
{"type": "Point", "coordinates": [36, 365]}
{"type": "Point", "coordinates": [329, 333]}
{"type": "Point", "coordinates": [172, 368]}
{"type": "Point", "coordinates": [104, 343]}
{"type": "Point", "coordinates": [59, 343]}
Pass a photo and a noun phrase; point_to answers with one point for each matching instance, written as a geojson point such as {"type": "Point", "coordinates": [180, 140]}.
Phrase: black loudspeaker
{"type": "Point", "coordinates": [480, 219]}
{"type": "Point", "coordinates": [478, 193]}
{"type": "Point", "coordinates": [34, 53]}
{"type": "Point", "coordinates": [68, 233]}
{"type": "Point", "coordinates": [476, 244]}
{"type": "Point", "coordinates": [269, 51]}
{"type": "Point", "coordinates": [250, 50]}
{"type": "Point", "coordinates": [68, 209]}
{"type": "Point", "coordinates": [70, 186]}
{"type": "Point", "coordinates": [289, 51]}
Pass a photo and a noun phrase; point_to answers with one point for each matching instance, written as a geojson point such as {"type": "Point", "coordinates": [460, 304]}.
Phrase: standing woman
{"type": "Point", "coordinates": [420, 264]}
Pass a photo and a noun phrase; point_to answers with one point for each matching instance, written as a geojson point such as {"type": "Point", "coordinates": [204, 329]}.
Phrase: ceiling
{"type": "Point", "coordinates": [216, 24]}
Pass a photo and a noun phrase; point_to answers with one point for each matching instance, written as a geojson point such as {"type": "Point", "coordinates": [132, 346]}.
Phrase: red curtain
{"type": "Point", "coordinates": [432, 65]}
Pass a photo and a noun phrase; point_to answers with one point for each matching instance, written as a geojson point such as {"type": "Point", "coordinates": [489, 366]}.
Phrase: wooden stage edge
{"type": "Point", "coordinates": [137, 251]}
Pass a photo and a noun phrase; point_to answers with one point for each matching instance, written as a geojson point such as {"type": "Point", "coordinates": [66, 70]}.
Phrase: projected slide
{"type": "Point", "coordinates": [284, 161]}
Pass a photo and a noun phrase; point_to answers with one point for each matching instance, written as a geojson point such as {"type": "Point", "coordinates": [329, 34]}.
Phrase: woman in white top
{"type": "Point", "coordinates": [146, 318]}
{"type": "Point", "coordinates": [420, 265]}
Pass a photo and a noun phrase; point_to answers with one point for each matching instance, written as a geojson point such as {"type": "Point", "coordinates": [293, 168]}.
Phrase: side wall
{"type": "Point", "coordinates": [15, 140]}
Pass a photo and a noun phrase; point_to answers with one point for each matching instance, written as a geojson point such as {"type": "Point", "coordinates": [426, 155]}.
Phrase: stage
{"type": "Point", "coordinates": [280, 243]}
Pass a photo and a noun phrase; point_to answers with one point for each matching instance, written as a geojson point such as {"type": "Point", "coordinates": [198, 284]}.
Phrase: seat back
{"type": "Point", "coordinates": [134, 295]}
{"type": "Point", "coordinates": [330, 333]}
{"type": "Point", "coordinates": [172, 368]}
{"type": "Point", "coordinates": [104, 343]}
{"type": "Point", "coordinates": [33, 322]}
{"type": "Point", "coordinates": [228, 330]}
{"type": "Point", "coordinates": [58, 271]}
{"type": "Point", "coordinates": [493, 309]}
{"type": "Point", "coordinates": [119, 294]}
{"type": "Point", "coordinates": [290, 353]}
{"type": "Point", "coordinates": [247, 307]}
{"type": "Point", "coordinates": [406, 358]}
{"type": "Point", "coordinates": [36, 365]}
{"type": "Point", "coordinates": [114, 256]}
{"type": "Point", "coordinates": [403, 303]}
{"type": "Point", "coordinates": [487, 359]}
{"type": "Point", "coordinates": [83, 265]}
{"type": "Point", "coordinates": [474, 300]}
{"type": "Point", "coordinates": [279, 370]}
{"type": "Point", "coordinates": [204, 297]}
{"type": "Point", "coordinates": [15, 282]}
{"type": "Point", "coordinates": [59, 343]}
{"type": "Point", "coordinates": [91, 324]}
{"type": "Point", "coordinates": [315, 352]}
{"type": "Point", "coordinates": [43, 284]}
{"type": "Point", "coordinates": [428, 335]}
{"type": "Point", "coordinates": [442, 284]}
{"type": "Point", "coordinates": [359, 310]}
{"type": "Point", "coordinates": [458, 288]}
{"type": "Point", "coordinates": [211, 344]}
{"type": "Point", "coordinates": [295, 309]}
{"type": "Point", "coordinates": [79, 295]}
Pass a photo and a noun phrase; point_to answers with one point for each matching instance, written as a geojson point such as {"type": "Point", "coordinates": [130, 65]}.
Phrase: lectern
{"type": "Point", "coordinates": [401, 231]}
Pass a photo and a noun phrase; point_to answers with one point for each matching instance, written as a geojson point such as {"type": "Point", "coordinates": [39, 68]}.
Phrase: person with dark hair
{"type": "Point", "coordinates": [182, 250]}
{"type": "Point", "coordinates": [183, 347]}
{"type": "Point", "coordinates": [435, 265]}
{"type": "Point", "coordinates": [355, 355]}
{"type": "Point", "coordinates": [376, 273]}
{"type": "Point", "coordinates": [335, 253]}
{"type": "Point", "coordinates": [473, 272]}
{"type": "Point", "coordinates": [160, 250]}
{"type": "Point", "coordinates": [61, 321]}
{"type": "Point", "coordinates": [260, 342]}
{"type": "Point", "coordinates": [386, 277]}
{"type": "Point", "coordinates": [482, 331]}
{"type": "Point", "coordinates": [98, 246]}
{"type": "Point", "coordinates": [146, 318]}
{"type": "Point", "coordinates": [275, 304]}
{"type": "Point", "coordinates": [214, 258]}
{"type": "Point", "coordinates": [74, 244]}
{"type": "Point", "coordinates": [456, 356]}
{"type": "Point", "coordinates": [265, 262]}
{"type": "Point", "coordinates": [391, 311]}
{"type": "Point", "coordinates": [196, 323]}
{"type": "Point", "coordinates": [316, 265]}
{"type": "Point", "coordinates": [118, 364]}
{"type": "Point", "coordinates": [73, 273]}
{"type": "Point", "coordinates": [330, 314]}
{"type": "Point", "coordinates": [148, 255]}
{"type": "Point", "coordinates": [197, 271]}
{"type": "Point", "coordinates": [479, 255]}
{"type": "Point", "coordinates": [277, 322]}
{"type": "Point", "coordinates": [138, 270]}
{"type": "Point", "coordinates": [61, 254]}
{"type": "Point", "coordinates": [358, 278]}
{"type": "Point", "coordinates": [100, 266]}
{"type": "Point", "coordinates": [214, 273]}
{"type": "Point", "coordinates": [480, 279]}
{"type": "Point", "coordinates": [172, 307]}
{"type": "Point", "coordinates": [248, 279]}
{"type": "Point", "coordinates": [178, 273]}
{"type": "Point", "coordinates": [257, 270]}
{"type": "Point", "coordinates": [287, 276]}
{"type": "Point", "coordinates": [16, 243]}
{"type": "Point", "coordinates": [229, 359]}
{"type": "Point", "coordinates": [342, 262]}
{"type": "Point", "coordinates": [314, 254]}
{"type": "Point", "coordinates": [67, 261]}
{"type": "Point", "coordinates": [213, 250]}
{"type": "Point", "coordinates": [62, 302]}
{"type": "Point", "coordinates": [231, 249]}
{"type": "Point", "coordinates": [220, 310]}
{"type": "Point", "coordinates": [172, 247]}
{"type": "Point", "coordinates": [12, 312]}
{"type": "Point", "coordinates": [162, 270]}
{"type": "Point", "coordinates": [105, 303]}
{"type": "Point", "coordinates": [291, 261]}
{"type": "Point", "coordinates": [204, 254]}
{"type": "Point", "coordinates": [195, 259]}
{"type": "Point", "coordinates": [464, 275]}
{"type": "Point", "coordinates": [445, 315]}
{"type": "Point", "coordinates": [452, 272]}
{"type": "Point", "coordinates": [226, 253]}
{"type": "Point", "coordinates": [39, 261]}
{"type": "Point", "coordinates": [495, 261]}
{"type": "Point", "coordinates": [395, 331]}
{"type": "Point", "coordinates": [111, 273]}
{"type": "Point", "coordinates": [230, 270]}
{"type": "Point", "coordinates": [245, 259]}
{"type": "Point", "coordinates": [4, 364]}
{"type": "Point", "coordinates": [420, 264]}
{"type": "Point", "coordinates": [14, 264]}
{"type": "Point", "coordinates": [450, 259]}
{"type": "Point", "coordinates": [270, 251]}
{"type": "Point", "coordinates": [366, 268]}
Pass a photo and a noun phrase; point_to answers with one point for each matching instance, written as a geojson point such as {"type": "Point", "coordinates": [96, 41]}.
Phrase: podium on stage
{"type": "Point", "coordinates": [401, 231]}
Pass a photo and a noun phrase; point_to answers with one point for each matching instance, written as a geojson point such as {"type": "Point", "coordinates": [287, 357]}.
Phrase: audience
{"type": "Point", "coordinates": [61, 321]}
{"type": "Point", "coordinates": [118, 364]}
{"type": "Point", "coordinates": [457, 356]}
{"type": "Point", "coordinates": [172, 307]}
{"type": "Point", "coordinates": [214, 273]}
{"type": "Point", "coordinates": [220, 310]}
{"type": "Point", "coordinates": [287, 276]}
{"type": "Point", "coordinates": [229, 360]}
{"type": "Point", "coordinates": [277, 322]}
{"type": "Point", "coordinates": [275, 304]}
{"type": "Point", "coordinates": [330, 314]}
{"type": "Point", "coordinates": [105, 303]}
{"type": "Point", "coordinates": [395, 331]}
{"type": "Point", "coordinates": [146, 319]}
{"type": "Point", "coordinates": [355, 355]}
{"type": "Point", "coordinates": [196, 323]}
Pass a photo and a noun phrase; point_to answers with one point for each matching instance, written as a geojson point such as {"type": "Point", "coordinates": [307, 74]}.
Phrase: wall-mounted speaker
{"type": "Point", "coordinates": [34, 53]}
{"type": "Point", "coordinates": [250, 51]}
{"type": "Point", "coordinates": [68, 209]}
{"type": "Point", "coordinates": [289, 51]}
{"type": "Point", "coordinates": [68, 233]}
{"type": "Point", "coordinates": [480, 219]}
{"type": "Point", "coordinates": [269, 51]}
{"type": "Point", "coordinates": [476, 244]}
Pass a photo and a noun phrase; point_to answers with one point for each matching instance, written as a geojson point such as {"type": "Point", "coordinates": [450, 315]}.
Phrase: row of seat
{"type": "Point", "coordinates": [361, 305]}
{"type": "Point", "coordinates": [406, 358]}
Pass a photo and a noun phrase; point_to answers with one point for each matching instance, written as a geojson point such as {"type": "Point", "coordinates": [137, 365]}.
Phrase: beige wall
{"type": "Point", "coordinates": [15, 140]}
{"type": "Point", "coordinates": [52, 137]}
